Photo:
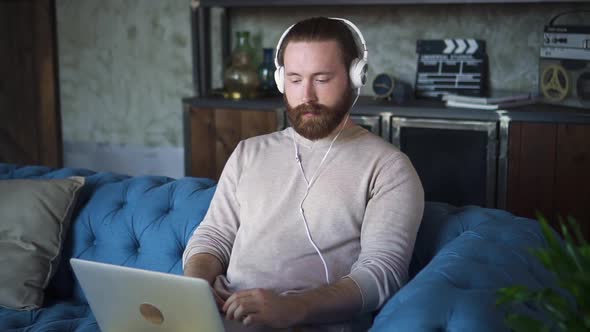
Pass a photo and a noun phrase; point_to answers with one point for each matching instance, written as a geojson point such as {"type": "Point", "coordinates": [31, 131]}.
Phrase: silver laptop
{"type": "Point", "coordinates": [128, 299]}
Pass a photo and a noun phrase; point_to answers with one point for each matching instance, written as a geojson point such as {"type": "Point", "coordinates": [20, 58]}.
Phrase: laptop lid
{"type": "Point", "coordinates": [129, 299]}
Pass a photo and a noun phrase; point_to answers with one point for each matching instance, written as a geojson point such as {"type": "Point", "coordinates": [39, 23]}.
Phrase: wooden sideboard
{"type": "Point", "coordinates": [542, 158]}
{"type": "Point", "coordinates": [211, 135]}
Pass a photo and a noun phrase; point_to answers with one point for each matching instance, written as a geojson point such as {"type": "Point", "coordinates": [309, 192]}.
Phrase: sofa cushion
{"type": "Point", "coordinates": [60, 286]}
{"type": "Point", "coordinates": [58, 316]}
{"type": "Point", "coordinates": [34, 218]}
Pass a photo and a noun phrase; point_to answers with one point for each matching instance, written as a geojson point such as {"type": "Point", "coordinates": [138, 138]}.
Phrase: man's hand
{"type": "Point", "coordinates": [220, 293]}
{"type": "Point", "coordinates": [264, 307]}
{"type": "Point", "coordinates": [218, 299]}
{"type": "Point", "coordinates": [208, 267]}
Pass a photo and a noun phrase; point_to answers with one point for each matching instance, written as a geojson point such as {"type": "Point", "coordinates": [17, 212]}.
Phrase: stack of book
{"type": "Point", "coordinates": [496, 101]}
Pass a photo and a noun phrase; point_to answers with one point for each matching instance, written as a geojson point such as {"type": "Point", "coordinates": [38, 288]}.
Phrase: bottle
{"type": "Point", "coordinates": [268, 86]}
{"type": "Point", "coordinates": [240, 79]}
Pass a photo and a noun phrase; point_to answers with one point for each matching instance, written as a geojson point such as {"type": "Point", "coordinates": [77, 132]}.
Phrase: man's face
{"type": "Point", "coordinates": [317, 89]}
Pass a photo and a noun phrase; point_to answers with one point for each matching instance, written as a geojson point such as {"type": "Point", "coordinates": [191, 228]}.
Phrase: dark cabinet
{"type": "Point", "coordinates": [549, 171]}
{"type": "Point", "coordinates": [455, 159]}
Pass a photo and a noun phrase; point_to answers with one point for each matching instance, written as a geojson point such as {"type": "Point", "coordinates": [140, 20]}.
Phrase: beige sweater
{"type": "Point", "coordinates": [363, 212]}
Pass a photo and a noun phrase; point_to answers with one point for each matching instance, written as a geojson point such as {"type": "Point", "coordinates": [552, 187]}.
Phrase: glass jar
{"type": "Point", "coordinates": [240, 79]}
{"type": "Point", "coordinates": [266, 70]}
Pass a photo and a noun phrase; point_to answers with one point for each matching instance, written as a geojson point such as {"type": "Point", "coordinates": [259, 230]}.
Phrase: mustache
{"type": "Point", "coordinates": [313, 108]}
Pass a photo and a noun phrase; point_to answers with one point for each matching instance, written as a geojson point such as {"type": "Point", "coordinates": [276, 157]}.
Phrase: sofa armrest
{"type": "Point", "coordinates": [476, 251]}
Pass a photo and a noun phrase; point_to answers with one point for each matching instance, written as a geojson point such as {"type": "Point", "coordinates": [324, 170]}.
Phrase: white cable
{"type": "Point", "coordinates": [327, 273]}
{"type": "Point", "coordinates": [310, 183]}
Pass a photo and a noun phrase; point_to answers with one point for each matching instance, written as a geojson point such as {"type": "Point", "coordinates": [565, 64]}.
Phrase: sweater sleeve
{"type": "Point", "coordinates": [392, 218]}
{"type": "Point", "coordinates": [217, 232]}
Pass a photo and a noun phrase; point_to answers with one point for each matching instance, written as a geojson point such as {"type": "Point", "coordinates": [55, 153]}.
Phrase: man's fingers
{"type": "Point", "coordinates": [234, 297]}
{"type": "Point", "coordinates": [241, 310]}
{"type": "Point", "coordinates": [221, 290]}
{"type": "Point", "coordinates": [244, 309]}
{"type": "Point", "coordinates": [238, 308]}
{"type": "Point", "coordinates": [229, 302]}
{"type": "Point", "coordinates": [252, 319]}
{"type": "Point", "coordinates": [229, 308]}
{"type": "Point", "coordinates": [219, 301]}
{"type": "Point", "coordinates": [245, 306]}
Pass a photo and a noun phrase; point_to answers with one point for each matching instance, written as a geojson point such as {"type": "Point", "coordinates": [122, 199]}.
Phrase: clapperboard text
{"type": "Point", "coordinates": [451, 66]}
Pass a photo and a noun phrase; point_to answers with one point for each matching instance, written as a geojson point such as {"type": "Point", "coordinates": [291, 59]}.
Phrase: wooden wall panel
{"type": "Point", "coordinates": [572, 179]}
{"type": "Point", "coordinates": [30, 130]}
{"type": "Point", "coordinates": [49, 118]}
{"type": "Point", "coordinates": [17, 130]}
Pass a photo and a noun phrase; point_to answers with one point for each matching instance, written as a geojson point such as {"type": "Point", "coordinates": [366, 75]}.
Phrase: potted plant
{"type": "Point", "coordinates": [566, 308]}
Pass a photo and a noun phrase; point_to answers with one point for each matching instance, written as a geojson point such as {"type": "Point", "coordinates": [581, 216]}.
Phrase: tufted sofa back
{"type": "Point", "coordinates": [142, 222]}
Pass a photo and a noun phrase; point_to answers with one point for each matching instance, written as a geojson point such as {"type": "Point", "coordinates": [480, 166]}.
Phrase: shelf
{"type": "Point", "coordinates": [301, 3]}
{"type": "Point", "coordinates": [422, 108]}
{"type": "Point", "coordinates": [262, 104]}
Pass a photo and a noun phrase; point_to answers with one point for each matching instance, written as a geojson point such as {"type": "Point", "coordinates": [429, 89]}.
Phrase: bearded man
{"type": "Point", "coordinates": [313, 227]}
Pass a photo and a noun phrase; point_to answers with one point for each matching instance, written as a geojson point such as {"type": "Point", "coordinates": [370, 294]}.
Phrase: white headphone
{"type": "Point", "coordinates": [358, 67]}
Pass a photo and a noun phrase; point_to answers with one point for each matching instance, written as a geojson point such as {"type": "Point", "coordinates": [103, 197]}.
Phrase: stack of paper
{"type": "Point", "coordinates": [497, 100]}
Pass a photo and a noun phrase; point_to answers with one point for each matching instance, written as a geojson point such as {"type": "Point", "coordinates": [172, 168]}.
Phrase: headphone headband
{"type": "Point", "coordinates": [347, 22]}
{"type": "Point", "coordinates": [357, 72]}
{"type": "Point", "coordinates": [280, 43]}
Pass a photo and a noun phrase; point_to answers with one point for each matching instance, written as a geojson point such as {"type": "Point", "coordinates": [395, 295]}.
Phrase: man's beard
{"type": "Point", "coordinates": [324, 120]}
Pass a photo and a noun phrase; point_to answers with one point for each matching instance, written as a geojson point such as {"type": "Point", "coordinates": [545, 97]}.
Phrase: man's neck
{"type": "Point", "coordinates": [349, 123]}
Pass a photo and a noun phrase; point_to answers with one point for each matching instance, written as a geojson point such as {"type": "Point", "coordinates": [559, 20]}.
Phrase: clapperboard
{"type": "Point", "coordinates": [458, 66]}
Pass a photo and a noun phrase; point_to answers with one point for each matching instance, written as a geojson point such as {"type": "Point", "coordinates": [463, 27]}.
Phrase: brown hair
{"type": "Point", "coordinates": [323, 29]}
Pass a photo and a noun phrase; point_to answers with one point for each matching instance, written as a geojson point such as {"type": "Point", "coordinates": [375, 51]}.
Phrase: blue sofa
{"type": "Point", "coordinates": [462, 254]}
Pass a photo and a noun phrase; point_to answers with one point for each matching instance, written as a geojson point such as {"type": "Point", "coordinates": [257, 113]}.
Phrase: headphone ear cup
{"type": "Point", "coordinates": [358, 72]}
{"type": "Point", "coordinates": [280, 79]}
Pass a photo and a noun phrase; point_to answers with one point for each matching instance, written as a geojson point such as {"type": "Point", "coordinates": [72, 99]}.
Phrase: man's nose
{"type": "Point", "coordinates": [308, 92]}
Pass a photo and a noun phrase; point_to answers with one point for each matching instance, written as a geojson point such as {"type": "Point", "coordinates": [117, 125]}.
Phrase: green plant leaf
{"type": "Point", "coordinates": [577, 232]}
{"type": "Point", "coordinates": [568, 258]}
{"type": "Point", "coordinates": [553, 243]}
{"type": "Point", "coordinates": [577, 284]}
{"type": "Point", "coordinates": [553, 303]}
{"type": "Point", "coordinates": [523, 323]}
{"type": "Point", "coordinates": [544, 257]}
{"type": "Point", "coordinates": [570, 247]}
{"type": "Point", "coordinates": [548, 233]}
{"type": "Point", "coordinates": [514, 294]}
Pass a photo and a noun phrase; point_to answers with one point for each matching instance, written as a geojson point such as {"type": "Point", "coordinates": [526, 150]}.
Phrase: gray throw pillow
{"type": "Point", "coordinates": [34, 219]}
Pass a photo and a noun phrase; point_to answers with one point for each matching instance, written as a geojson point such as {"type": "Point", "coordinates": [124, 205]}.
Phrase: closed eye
{"type": "Point", "coordinates": [323, 77]}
